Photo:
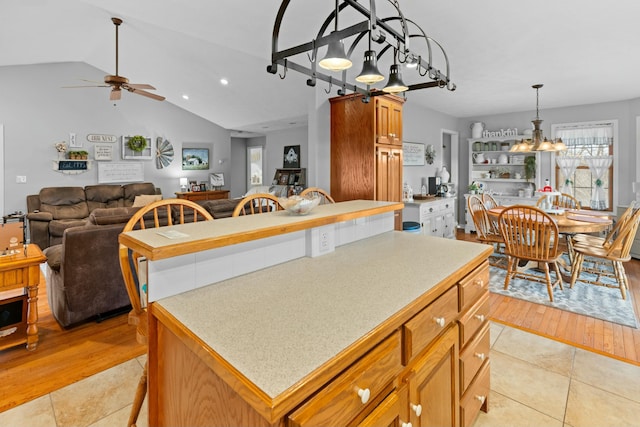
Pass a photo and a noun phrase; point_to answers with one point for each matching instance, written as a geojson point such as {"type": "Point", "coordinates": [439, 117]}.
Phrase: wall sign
{"type": "Point", "coordinates": [72, 167]}
{"type": "Point", "coordinates": [103, 152]}
{"type": "Point", "coordinates": [109, 172]}
{"type": "Point", "coordinates": [412, 154]}
{"type": "Point", "coordinates": [93, 137]}
{"type": "Point", "coordinates": [501, 132]}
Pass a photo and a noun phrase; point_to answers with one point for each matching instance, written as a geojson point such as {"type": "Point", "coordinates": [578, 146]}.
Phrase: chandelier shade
{"type": "Point", "coordinates": [370, 73]}
{"type": "Point", "coordinates": [393, 34]}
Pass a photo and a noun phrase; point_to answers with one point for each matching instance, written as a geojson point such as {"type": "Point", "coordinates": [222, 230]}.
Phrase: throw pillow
{"type": "Point", "coordinates": [144, 199]}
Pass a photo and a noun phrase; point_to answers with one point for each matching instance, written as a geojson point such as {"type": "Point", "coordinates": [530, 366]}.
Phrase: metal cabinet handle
{"type": "Point", "coordinates": [439, 321]}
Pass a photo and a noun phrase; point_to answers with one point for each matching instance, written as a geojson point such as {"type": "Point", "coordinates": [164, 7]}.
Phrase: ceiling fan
{"type": "Point", "coordinates": [117, 83]}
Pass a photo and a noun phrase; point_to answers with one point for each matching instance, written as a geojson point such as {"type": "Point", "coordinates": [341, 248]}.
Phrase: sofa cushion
{"type": "Point", "coordinates": [133, 190]}
{"type": "Point", "coordinates": [57, 226]}
{"type": "Point", "coordinates": [144, 199]}
{"type": "Point", "coordinates": [54, 256]}
{"type": "Point", "coordinates": [111, 216]}
{"type": "Point", "coordinates": [221, 208]}
{"type": "Point", "coordinates": [64, 202]}
{"type": "Point", "coordinates": [104, 196]}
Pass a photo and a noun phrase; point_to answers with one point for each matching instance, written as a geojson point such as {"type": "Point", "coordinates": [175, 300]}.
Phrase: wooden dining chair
{"type": "Point", "coordinates": [615, 253]}
{"type": "Point", "coordinates": [154, 215]}
{"type": "Point", "coordinates": [530, 234]}
{"type": "Point", "coordinates": [611, 235]}
{"type": "Point", "coordinates": [489, 201]}
{"type": "Point", "coordinates": [486, 229]}
{"type": "Point", "coordinates": [563, 200]}
{"type": "Point", "coordinates": [257, 203]}
{"type": "Point", "coordinates": [325, 198]}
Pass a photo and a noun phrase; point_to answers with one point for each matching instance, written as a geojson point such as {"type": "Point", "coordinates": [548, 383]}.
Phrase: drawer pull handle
{"type": "Point", "coordinates": [479, 355]}
{"type": "Point", "coordinates": [480, 317]}
{"type": "Point", "coordinates": [403, 424]}
{"type": "Point", "coordinates": [439, 321]}
{"type": "Point", "coordinates": [479, 282]}
{"type": "Point", "coordinates": [480, 398]}
{"type": "Point", "coordinates": [364, 395]}
{"type": "Point", "coordinates": [417, 409]}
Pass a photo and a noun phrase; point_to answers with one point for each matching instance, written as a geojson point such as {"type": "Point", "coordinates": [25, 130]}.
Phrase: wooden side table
{"type": "Point", "coordinates": [203, 195]}
{"type": "Point", "coordinates": [22, 270]}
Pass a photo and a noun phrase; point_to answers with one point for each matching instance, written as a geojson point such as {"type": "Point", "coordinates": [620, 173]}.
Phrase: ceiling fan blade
{"type": "Point", "coordinates": [74, 87]}
{"type": "Point", "coordinates": [115, 94]}
{"type": "Point", "coordinates": [147, 94]}
{"type": "Point", "coordinates": [92, 81]}
{"type": "Point", "coordinates": [141, 86]}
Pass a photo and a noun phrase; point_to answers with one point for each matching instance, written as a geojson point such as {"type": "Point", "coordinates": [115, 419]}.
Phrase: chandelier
{"type": "Point", "coordinates": [538, 142]}
{"type": "Point", "coordinates": [395, 35]}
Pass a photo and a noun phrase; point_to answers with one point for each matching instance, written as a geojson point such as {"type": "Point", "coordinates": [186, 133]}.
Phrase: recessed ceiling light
{"type": "Point", "coordinates": [224, 82]}
{"type": "Point", "coordinates": [185, 96]}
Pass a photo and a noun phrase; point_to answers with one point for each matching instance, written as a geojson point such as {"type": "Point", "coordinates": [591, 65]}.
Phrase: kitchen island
{"type": "Point", "coordinates": [374, 331]}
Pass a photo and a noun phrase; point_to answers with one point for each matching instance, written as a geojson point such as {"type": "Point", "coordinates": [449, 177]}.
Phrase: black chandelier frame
{"type": "Point", "coordinates": [377, 29]}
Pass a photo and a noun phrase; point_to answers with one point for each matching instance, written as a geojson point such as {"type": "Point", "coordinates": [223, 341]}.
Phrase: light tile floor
{"type": "Point", "coordinates": [534, 382]}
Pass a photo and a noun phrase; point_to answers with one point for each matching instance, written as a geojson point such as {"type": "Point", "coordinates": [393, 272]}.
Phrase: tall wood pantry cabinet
{"type": "Point", "coordinates": [366, 149]}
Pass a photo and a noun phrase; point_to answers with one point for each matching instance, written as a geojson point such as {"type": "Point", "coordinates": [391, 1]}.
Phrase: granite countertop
{"type": "Point", "coordinates": [278, 325]}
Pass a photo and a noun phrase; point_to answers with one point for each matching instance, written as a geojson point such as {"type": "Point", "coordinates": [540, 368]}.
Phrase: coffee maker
{"type": "Point", "coordinates": [434, 183]}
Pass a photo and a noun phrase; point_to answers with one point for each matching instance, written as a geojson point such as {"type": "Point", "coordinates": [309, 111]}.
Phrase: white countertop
{"type": "Point", "coordinates": [277, 325]}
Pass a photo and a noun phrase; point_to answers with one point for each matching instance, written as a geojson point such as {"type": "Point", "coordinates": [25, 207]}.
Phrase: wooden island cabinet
{"type": "Point", "coordinates": [332, 340]}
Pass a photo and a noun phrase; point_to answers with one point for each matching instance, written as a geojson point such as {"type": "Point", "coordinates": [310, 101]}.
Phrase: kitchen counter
{"type": "Point", "coordinates": [252, 349]}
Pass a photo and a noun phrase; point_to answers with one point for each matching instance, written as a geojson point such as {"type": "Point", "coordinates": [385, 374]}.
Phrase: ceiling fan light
{"type": "Point", "coordinates": [395, 83]}
{"type": "Point", "coordinates": [335, 59]}
{"type": "Point", "coordinates": [370, 73]}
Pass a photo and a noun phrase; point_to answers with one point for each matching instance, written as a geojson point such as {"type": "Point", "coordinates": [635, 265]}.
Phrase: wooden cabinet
{"type": "Point", "coordinates": [203, 195]}
{"type": "Point", "coordinates": [474, 344]}
{"type": "Point", "coordinates": [388, 121]}
{"type": "Point", "coordinates": [365, 163]}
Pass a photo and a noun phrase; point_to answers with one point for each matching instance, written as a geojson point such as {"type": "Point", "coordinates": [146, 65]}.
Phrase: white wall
{"type": "Point", "coordinates": [37, 112]}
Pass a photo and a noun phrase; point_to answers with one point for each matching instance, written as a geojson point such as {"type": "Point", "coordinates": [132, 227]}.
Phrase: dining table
{"type": "Point", "coordinates": [569, 222]}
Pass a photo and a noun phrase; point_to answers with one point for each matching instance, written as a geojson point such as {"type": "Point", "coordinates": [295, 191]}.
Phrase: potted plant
{"type": "Point", "coordinates": [473, 188]}
{"type": "Point", "coordinates": [530, 172]}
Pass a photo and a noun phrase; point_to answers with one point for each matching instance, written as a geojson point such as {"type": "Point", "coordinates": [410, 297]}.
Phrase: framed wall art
{"type": "Point", "coordinates": [291, 156]}
{"type": "Point", "coordinates": [412, 154]}
{"type": "Point", "coordinates": [136, 147]}
{"type": "Point", "coordinates": [195, 159]}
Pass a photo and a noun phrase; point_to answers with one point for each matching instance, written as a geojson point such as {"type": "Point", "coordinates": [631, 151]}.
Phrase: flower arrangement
{"type": "Point", "coordinates": [78, 155]}
{"type": "Point", "coordinates": [137, 143]}
{"type": "Point", "coordinates": [61, 147]}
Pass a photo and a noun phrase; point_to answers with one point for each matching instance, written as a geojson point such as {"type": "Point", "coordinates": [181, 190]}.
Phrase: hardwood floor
{"type": "Point", "coordinates": [607, 338]}
{"type": "Point", "coordinates": [63, 356]}
{"type": "Point", "coordinates": [66, 356]}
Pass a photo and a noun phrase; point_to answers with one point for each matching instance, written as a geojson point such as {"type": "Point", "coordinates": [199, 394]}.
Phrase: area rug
{"type": "Point", "coordinates": [591, 300]}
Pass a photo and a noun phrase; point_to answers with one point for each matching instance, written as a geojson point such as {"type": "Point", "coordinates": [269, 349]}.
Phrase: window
{"type": "Point", "coordinates": [588, 162]}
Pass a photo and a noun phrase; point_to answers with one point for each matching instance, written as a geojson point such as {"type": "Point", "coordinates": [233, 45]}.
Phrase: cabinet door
{"type": "Point", "coordinates": [388, 121]}
{"type": "Point", "coordinates": [449, 225]}
{"type": "Point", "coordinates": [433, 384]}
{"type": "Point", "coordinates": [438, 226]}
{"type": "Point", "coordinates": [388, 174]}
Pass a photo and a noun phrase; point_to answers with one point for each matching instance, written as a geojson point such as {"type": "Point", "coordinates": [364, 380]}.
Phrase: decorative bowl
{"type": "Point", "coordinates": [299, 205]}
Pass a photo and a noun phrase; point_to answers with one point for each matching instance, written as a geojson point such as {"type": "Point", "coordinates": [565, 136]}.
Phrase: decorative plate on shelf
{"type": "Point", "coordinates": [164, 153]}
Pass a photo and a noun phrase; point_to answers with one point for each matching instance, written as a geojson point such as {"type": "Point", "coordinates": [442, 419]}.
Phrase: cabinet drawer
{"type": "Point", "coordinates": [472, 357]}
{"type": "Point", "coordinates": [426, 325]}
{"type": "Point", "coordinates": [474, 285]}
{"type": "Point", "coordinates": [339, 402]}
{"type": "Point", "coordinates": [473, 319]}
{"type": "Point", "coordinates": [475, 398]}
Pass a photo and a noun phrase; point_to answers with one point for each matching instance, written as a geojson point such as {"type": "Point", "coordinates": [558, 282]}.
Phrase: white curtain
{"type": "Point", "coordinates": [598, 167]}
{"type": "Point", "coordinates": [567, 166]}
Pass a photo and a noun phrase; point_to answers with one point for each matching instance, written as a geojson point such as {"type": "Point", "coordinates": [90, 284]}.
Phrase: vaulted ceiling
{"type": "Point", "coordinates": [583, 51]}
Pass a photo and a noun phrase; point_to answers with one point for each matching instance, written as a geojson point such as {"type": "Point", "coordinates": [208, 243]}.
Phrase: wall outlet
{"type": "Point", "coordinates": [20, 179]}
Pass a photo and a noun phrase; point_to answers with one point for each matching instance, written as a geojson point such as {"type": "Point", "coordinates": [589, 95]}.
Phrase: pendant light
{"type": "Point", "coordinates": [395, 83]}
{"type": "Point", "coordinates": [335, 59]}
{"type": "Point", "coordinates": [370, 73]}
